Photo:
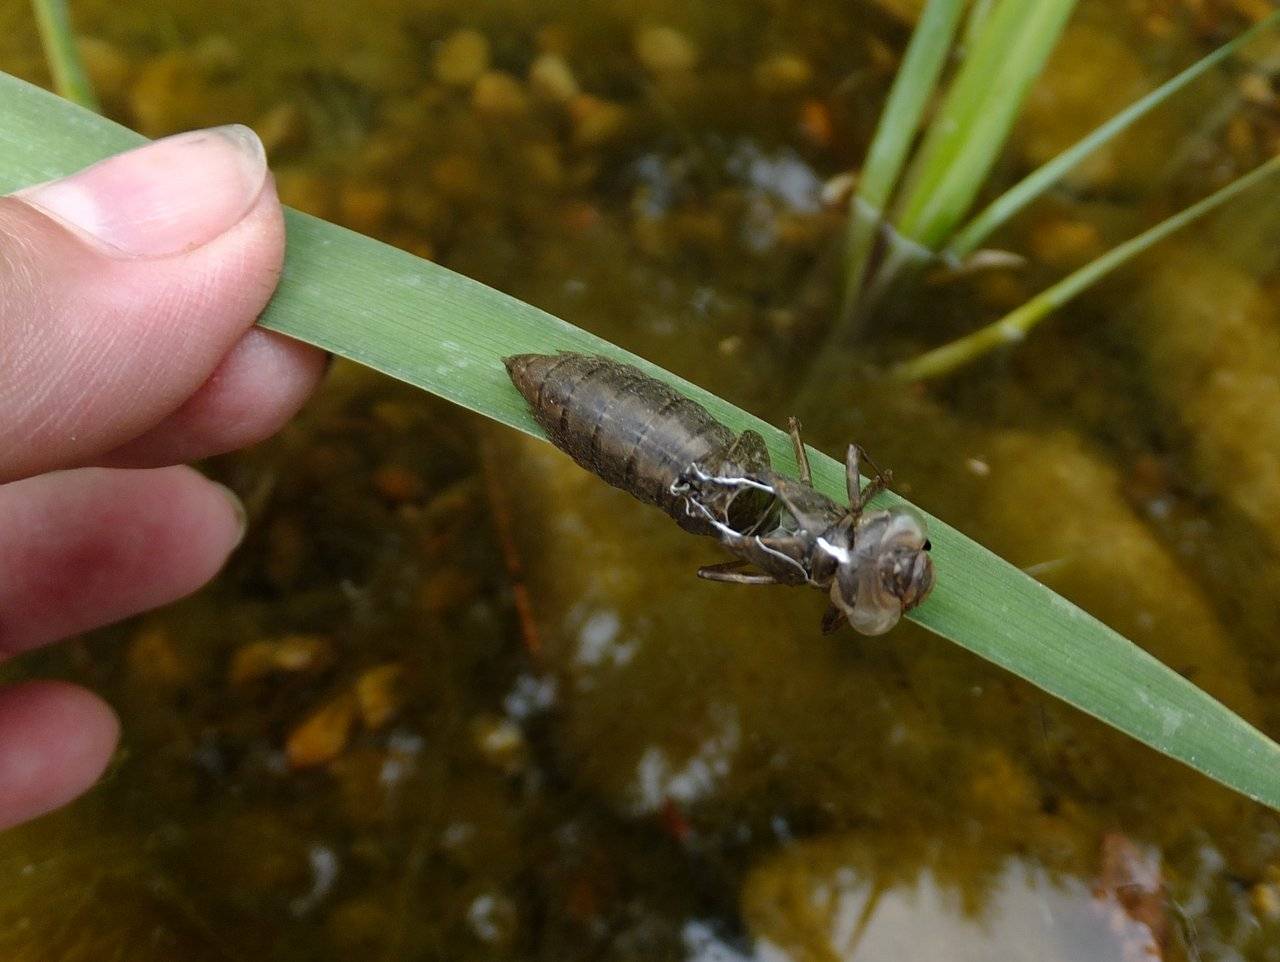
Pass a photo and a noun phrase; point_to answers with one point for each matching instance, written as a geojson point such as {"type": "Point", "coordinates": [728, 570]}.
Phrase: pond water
{"type": "Point", "coordinates": [455, 698]}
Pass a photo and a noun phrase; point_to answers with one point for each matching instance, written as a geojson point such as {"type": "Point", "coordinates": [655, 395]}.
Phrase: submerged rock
{"type": "Point", "coordinates": [462, 58]}
{"type": "Point", "coordinates": [323, 736]}
{"type": "Point", "coordinates": [840, 897]}
{"type": "Point", "coordinates": [551, 78]}
{"type": "Point", "coordinates": [664, 50]}
{"type": "Point", "coordinates": [1210, 342]}
{"type": "Point", "coordinates": [1092, 75]}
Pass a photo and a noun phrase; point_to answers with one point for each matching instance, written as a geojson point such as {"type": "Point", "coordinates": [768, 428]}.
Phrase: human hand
{"type": "Point", "coordinates": [128, 293]}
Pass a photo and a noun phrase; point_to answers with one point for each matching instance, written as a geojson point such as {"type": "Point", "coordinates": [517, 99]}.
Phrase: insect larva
{"type": "Point", "coordinates": [637, 433]}
{"type": "Point", "coordinates": [645, 437]}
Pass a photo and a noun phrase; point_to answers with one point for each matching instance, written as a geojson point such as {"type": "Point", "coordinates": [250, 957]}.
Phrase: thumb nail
{"type": "Point", "coordinates": [166, 197]}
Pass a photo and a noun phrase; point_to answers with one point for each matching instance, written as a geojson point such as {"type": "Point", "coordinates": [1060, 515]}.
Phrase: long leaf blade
{"type": "Point", "coordinates": [446, 334]}
{"type": "Point", "coordinates": [976, 116]}
{"type": "Point", "coordinates": [1008, 204]}
{"type": "Point", "coordinates": [70, 79]}
{"type": "Point", "coordinates": [1018, 323]}
{"type": "Point", "coordinates": [899, 120]}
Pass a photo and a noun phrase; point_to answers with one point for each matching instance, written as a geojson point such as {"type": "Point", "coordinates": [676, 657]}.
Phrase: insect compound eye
{"type": "Point", "coordinates": [928, 545]}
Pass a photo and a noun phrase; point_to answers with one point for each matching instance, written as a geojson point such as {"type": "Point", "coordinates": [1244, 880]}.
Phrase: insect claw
{"type": "Point", "coordinates": [832, 620]}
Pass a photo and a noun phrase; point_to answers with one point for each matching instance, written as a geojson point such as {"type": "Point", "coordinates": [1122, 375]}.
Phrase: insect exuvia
{"type": "Point", "coordinates": [665, 449]}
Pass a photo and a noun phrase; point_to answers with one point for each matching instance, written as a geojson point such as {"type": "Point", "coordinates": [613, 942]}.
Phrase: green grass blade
{"type": "Point", "coordinates": [999, 211]}
{"type": "Point", "coordinates": [976, 115]}
{"type": "Point", "coordinates": [899, 120]}
{"type": "Point", "coordinates": [1015, 325]}
{"type": "Point", "coordinates": [444, 333]}
{"type": "Point", "coordinates": [979, 10]}
{"type": "Point", "coordinates": [59, 42]}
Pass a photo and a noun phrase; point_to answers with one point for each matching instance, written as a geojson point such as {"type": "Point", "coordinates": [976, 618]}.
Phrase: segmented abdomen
{"type": "Point", "coordinates": [632, 430]}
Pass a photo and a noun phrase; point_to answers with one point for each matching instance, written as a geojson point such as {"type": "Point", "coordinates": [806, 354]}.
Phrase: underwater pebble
{"type": "Point", "coordinates": [499, 94]}
{"type": "Point", "coordinates": [290, 655]}
{"type": "Point", "coordinates": [783, 73]}
{"type": "Point", "coordinates": [1210, 342]}
{"type": "Point", "coordinates": [815, 123]}
{"type": "Point", "coordinates": [456, 178]}
{"type": "Point", "coordinates": [397, 484]}
{"type": "Point", "coordinates": [153, 658]}
{"type": "Point", "coordinates": [665, 50]}
{"type": "Point", "coordinates": [493, 918]}
{"type": "Point", "coordinates": [1093, 74]}
{"type": "Point", "coordinates": [1265, 899]}
{"type": "Point", "coordinates": [323, 735]}
{"type": "Point", "coordinates": [551, 78]}
{"type": "Point", "coordinates": [1065, 242]}
{"type": "Point", "coordinates": [462, 58]}
{"type": "Point", "coordinates": [1256, 88]}
{"type": "Point", "coordinates": [542, 165]}
{"type": "Point", "coordinates": [380, 695]}
{"type": "Point", "coordinates": [217, 55]}
{"type": "Point", "coordinates": [500, 742]}
{"type": "Point", "coordinates": [595, 121]}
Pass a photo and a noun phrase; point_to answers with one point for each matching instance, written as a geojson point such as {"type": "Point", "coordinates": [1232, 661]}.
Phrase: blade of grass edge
{"type": "Point", "coordinates": [444, 333]}
{"type": "Point", "coordinates": [899, 120]}
{"type": "Point", "coordinates": [976, 115]}
{"type": "Point", "coordinates": [1008, 204]}
{"type": "Point", "coordinates": [59, 42]}
{"type": "Point", "coordinates": [1017, 324]}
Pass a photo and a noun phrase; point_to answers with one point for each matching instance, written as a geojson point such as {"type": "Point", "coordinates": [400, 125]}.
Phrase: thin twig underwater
{"type": "Point", "coordinates": [665, 449]}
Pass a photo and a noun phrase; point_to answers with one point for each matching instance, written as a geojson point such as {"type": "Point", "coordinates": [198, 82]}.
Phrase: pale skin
{"type": "Point", "coordinates": [127, 348]}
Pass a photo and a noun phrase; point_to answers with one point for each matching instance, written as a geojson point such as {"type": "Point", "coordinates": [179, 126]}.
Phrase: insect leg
{"type": "Point", "coordinates": [832, 620]}
{"type": "Point", "coordinates": [727, 573]}
{"type": "Point", "coordinates": [802, 456]}
{"type": "Point", "coordinates": [858, 497]}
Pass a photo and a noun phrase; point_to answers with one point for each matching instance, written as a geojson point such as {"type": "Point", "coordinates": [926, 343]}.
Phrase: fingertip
{"type": "Point", "coordinates": [260, 384]}
{"type": "Point", "coordinates": [79, 549]}
{"type": "Point", "coordinates": [56, 739]}
{"type": "Point", "coordinates": [103, 350]}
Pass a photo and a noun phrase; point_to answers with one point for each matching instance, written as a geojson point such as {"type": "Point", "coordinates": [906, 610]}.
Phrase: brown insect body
{"type": "Point", "coordinates": [665, 449]}
{"type": "Point", "coordinates": [638, 433]}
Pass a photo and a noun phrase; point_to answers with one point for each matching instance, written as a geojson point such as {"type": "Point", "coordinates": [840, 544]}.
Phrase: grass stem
{"type": "Point", "coordinates": [976, 115]}
{"type": "Point", "coordinates": [1015, 326]}
{"type": "Point", "coordinates": [1004, 207]}
{"type": "Point", "coordinates": [70, 80]}
{"type": "Point", "coordinates": [912, 88]}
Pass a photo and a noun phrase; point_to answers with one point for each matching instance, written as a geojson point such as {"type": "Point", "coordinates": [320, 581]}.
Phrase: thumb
{"type": "Point", "coordinates": [123, 286]}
